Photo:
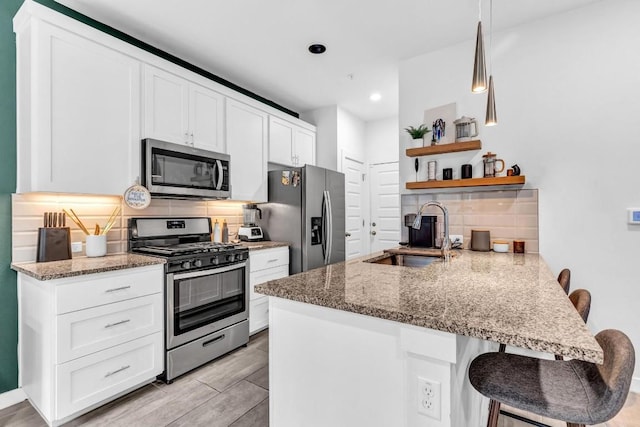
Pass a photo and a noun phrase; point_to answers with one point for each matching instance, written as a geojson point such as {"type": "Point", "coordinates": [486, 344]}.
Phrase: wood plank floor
{"type": "Point", "coordinates": [231, 391]}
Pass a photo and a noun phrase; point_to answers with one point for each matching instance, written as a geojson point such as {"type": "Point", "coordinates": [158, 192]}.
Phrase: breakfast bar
{"type": "Point", "coordinates": [366, 342]}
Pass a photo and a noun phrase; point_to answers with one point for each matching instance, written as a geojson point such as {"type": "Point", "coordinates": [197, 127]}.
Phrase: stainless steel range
{"type": "Point", "coordinates": [206, 289]}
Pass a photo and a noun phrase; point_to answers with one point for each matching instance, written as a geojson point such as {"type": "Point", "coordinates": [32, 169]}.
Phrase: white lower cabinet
{"type": "Point", "coordinates": [86, 340]}
{"type": "Point", "coordinates": [265, 265]}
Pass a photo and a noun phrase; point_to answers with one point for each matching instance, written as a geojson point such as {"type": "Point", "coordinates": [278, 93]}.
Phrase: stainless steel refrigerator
{"type": "Point", "coordinates": [307, 209]}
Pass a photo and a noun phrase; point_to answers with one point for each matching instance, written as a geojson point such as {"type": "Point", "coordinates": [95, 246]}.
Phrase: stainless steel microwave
{"type": "Point", "coordinates": [179, 171]}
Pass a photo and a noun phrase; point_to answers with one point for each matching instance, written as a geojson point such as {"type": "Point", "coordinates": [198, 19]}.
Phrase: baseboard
{"type": "Point", "coordinates": [635, 385]}
{"type": "Point", "coordinates": [12, 397]}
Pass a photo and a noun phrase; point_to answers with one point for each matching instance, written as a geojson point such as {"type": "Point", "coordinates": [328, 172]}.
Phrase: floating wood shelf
{"type": "Point", "coordinates": [445, 148]}
{"type": "Point", "coordinates": [471, 182]}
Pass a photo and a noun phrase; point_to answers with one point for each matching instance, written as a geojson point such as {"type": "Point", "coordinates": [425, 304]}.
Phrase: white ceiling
{"type": "Point", "coordinates": [262, 45]}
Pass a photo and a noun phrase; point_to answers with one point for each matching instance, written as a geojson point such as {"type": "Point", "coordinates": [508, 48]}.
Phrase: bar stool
{"type": "Point", "coordinates": [581, 299]}
{"type": "Point", "coordinates": [576, 392]}
{"type": "Point", "coordinates": [564, 278]}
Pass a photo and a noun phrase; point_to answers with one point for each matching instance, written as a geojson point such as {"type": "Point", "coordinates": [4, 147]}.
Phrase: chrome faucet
{"type": "Point", "coordinates": [446, 243]}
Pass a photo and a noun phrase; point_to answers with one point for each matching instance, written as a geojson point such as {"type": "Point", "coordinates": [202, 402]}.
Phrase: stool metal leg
{"type": "Point", "coordinates": [494, 413]}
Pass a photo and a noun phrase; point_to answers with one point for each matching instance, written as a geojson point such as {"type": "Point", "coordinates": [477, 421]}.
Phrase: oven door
{"type": "Point", "coordinates": [205, 301]}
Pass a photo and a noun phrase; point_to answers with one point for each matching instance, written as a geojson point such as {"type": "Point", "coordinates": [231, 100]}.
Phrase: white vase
{"type": "Point", "coordinates": [417, 142]}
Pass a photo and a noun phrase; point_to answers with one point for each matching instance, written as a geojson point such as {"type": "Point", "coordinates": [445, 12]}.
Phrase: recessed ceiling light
{"type": "Point", "coordinates": [317, 48]}
{"type": "Point", "coordinates": [375, 97]}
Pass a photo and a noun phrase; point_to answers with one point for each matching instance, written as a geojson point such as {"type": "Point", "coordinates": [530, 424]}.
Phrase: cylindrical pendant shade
{"type": "Point", "coordinates": [492, 118]}
{"type": "Point", "coordinates": [479, 83]}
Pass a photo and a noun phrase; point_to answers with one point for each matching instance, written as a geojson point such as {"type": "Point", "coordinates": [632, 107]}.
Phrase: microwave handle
{"type": "Point", "coordinates": [220, 173]}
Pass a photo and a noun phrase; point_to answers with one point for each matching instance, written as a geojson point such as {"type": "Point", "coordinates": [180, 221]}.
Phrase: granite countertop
{"type": "Point", "coordinates": [508, 298]}
{"type": "Point", "coordinates": [256, 246]}
{"type": "Point", "coordinates": [81, 266]}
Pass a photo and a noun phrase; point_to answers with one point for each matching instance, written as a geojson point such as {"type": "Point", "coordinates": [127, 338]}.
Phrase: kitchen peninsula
{"type": "Point", "coordinates": [353, 343]}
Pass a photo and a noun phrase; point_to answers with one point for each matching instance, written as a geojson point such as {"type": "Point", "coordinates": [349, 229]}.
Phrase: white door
{"type": "Point", "coordinates": [385, 206]}
{"type": "Point", "coordinates": [354, 222]}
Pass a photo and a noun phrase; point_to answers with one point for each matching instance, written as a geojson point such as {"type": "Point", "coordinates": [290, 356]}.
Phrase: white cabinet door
{"type": "Point", "coordinates": [247, 146]}
{"type": "Point", "coordinates": [180, 111]}
{"type": "Point", "coordinates": [166, 108]}
{"type": "Point", "coordinates": [206, 115]}
{"type": "Point", "coordinates": [85, 118]}
{"type": "Point", "coordinates": [305, 147]}
{"type": "Point", "coordinates": [290, 144]}
{"type": "Point", "coordinates": [280, 141]}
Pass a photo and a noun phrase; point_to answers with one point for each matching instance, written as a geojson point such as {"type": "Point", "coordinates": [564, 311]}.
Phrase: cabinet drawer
{"type": "Point", "coordinates": [92, 379]}
{"type": "Point", "coordinates": [255, 278]}
{"type": "Point", "coordinates": [105, 288]}
{"type": "Point", "coordinates": [258, 314]}
{"type": "Point", "coordinates": [267, 258]}
{"type": "Point", "coordinates": [94, 329]}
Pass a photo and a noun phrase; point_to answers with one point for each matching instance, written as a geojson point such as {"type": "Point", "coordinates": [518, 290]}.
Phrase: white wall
{"type": "Point", "coordinates": [325, 120]}
{"type": "Point", "coordinates": [568, 98]}
{"type": "Point", "coordinates": [381, 139]}
{"type": "Point", "coordinates": [351, 135]}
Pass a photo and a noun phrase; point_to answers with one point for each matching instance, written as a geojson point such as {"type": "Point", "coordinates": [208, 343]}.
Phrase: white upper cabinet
{"type": "Point", "coordinates": [180, 111]}
{"type": "Point", "coordinates": [247, 146]}
{"type": "Point", "coordinates": [290, 144]}
{"type": "Point", "coordinates": [78, 113]}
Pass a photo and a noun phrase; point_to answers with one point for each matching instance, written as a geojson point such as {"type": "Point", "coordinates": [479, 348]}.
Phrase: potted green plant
{"type": "Point", "coordinates": [417, 134]}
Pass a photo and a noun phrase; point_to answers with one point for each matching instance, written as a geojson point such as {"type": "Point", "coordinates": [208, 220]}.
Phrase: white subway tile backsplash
{"type": "Point", "coordinates": [507, 214]}
{"type": "Point", "coordinates": [28, 210]}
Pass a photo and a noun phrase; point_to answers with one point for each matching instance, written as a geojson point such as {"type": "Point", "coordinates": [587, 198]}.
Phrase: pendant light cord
{"type": "Point", "coordinates": [490, 37]}
{"type": "Point", "coordinates": [480, 10]}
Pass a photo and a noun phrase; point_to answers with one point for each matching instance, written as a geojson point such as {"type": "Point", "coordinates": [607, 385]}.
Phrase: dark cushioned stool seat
{"type": "Point", "coordinates": [573, 391]}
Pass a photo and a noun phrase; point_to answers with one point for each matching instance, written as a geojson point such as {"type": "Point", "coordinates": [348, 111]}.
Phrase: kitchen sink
{"type": "Point", "coordinates": [416, 261]}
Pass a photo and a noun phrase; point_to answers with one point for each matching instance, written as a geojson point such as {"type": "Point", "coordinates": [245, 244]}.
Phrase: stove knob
{"type": "Point", "coordinates": [230, 258]}
{"type": "Point", "coordinates": [215, 260]}
{"type": "Point", "coordinates": [197, 263]}
{"type": "Point", "coordinates": [186, 265]}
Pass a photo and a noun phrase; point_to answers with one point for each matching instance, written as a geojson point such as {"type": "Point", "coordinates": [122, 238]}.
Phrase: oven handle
{"type": "Point", "coordinates": [209, 271]}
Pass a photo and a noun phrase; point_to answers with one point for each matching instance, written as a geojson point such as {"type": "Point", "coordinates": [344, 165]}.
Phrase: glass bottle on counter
{"type": "Point", "coordinates": [225, 231]}
{"type": "Point", "coordinates": [217, 237]}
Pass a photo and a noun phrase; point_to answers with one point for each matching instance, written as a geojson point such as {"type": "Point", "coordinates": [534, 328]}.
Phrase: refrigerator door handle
{"type": "Point", "coordinates": [329, 228]}
{"type": "Point", "coordinates": [323, 232]}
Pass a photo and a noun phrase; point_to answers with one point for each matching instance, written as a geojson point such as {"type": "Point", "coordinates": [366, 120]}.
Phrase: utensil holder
{"type": "Point", "coordinates": [96, 246]}
{"type": "Point", "coordinates": [54, 244]}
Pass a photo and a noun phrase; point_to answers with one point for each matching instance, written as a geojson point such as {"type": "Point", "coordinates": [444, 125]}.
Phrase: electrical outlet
{"type": "Point", "coordinates": [76, 247]}
{"type": "Point", "coordinates": [456, 239]}
{"type": "Point", "coordinates": [429, 397]}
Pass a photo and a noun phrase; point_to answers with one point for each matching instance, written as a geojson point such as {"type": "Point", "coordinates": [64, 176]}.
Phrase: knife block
{"type": "Point", "coordinates": [54, 244]}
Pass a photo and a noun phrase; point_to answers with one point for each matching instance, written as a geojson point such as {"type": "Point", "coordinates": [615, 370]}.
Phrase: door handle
{"type": "Point", "coordinates": [373, 232]}
{"type": "Point", "coordinates": [347, 234]}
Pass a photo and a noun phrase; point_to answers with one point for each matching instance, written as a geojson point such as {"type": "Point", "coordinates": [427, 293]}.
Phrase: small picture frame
{"type": "Point", "coordinates": [444, 116]}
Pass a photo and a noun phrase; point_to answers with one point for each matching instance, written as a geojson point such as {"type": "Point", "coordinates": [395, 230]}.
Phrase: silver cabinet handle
{"type": "Point", "coordinates": [373, 233]}
{"type": "Point", "coordinates": [122, 288]}
{"type": "Point", "coordinates": [347, 234]}
{"type": "Point", "coordinates": [108, 374]}
{"type": "Point", "coordinates": [111, 325]}
{"type": "Point", "coordinates": [273, 260]}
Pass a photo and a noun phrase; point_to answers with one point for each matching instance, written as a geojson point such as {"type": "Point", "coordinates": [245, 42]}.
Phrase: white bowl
{"type": "Point", "coordinates": [500, 247]}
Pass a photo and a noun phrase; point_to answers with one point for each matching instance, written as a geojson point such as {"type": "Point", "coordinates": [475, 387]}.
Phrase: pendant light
{"type": "Point", "coordinates": [491, 118]}
{"type": "Point", "coordinates": [479, 83]}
